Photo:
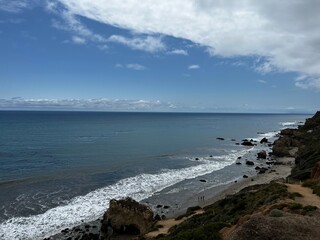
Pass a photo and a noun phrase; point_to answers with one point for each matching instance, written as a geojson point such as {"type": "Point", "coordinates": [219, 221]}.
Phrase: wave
{"type": "Point", "coordinates": [286, 124]}
{"type": "Point", "coordinates": [92, 205]}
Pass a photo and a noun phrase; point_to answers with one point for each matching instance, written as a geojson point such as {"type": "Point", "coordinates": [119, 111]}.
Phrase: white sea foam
{"type": "Point", "coordinates": [91, 206]}
{"type": "Point", "coordinates": [286, 124]}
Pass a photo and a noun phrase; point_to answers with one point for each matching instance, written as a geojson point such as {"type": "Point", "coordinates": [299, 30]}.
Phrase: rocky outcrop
{"type": "Point", "coordinates": [127, 216]}
{"type": "Point", "coordinates": [308, 138]}
{"type": "Point", "coordinates": [289, 226]}
{"type": "Point", "coordinates": [247, 143]}
{"type": "Point", "coordinates": [315, 173]}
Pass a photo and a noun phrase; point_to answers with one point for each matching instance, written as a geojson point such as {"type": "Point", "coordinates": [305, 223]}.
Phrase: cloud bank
{"type": "Point", "coordinates": [284, 33]}
{"type": "Point", "coordinates": [100, 104]}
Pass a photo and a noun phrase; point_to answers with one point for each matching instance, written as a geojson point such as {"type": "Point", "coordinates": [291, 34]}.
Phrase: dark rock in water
{"type": "Point", "coordinates": [270, 162]}
{"type": "Point", "coordinates": [250, 163]}
{"type": "Point", "coordinates": [257, 168]}
{"type": "Point", "coordinates": [237, 143]}
{"type": "Point", "coordinates": [157, 217]}
{"type": "Point", "coordinates": [166, 207]}
{"type": "Point", "coordinates": [127, 216]}
{"type": "Point", "coordinates": [197, 159]}
{"type": "Point", "coordinates": [239, 157]}
{"type": "Point", "coordinates": [247, 143]}
{"type": "Point", "coordinates": [236, 181]}
{"type": "Point", "coordinates": [220, 138]}
{"type": "Point", "coordinates": [163, 217]}
{"type": "Point", "coordinates": [203, 180]}
{"type": "Point", "coordinates": [159, 206]}
{"type": "Point", "coordinates": [262, 154]}
{"type": "Point", "coordinates": [210, 156]}
{"type": "Point", "coordinates": [264, 140]}
{"type": "Point", "coordinates": [245, 176]}
{"type": "Point", "coordinates": [262, 170]}
{"type": "Point", "coordinates": [238, 163]}
{"type": "Point", "coordinates": [252, 179]}
{"type": "Point", "coordinates": [233, 140]}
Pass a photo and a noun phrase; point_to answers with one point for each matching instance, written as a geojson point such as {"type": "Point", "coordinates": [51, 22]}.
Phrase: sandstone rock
{"type": "Point", "coordinates": [315, 173]}
{"type": "Point", "coordinates": [128, 216]}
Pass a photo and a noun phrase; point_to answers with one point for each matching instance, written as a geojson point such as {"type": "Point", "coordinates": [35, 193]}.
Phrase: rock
{"type": "Point", "coordinates": [159, 206]}
{"type": "Point", "coordinates": [237, 143]}
{"type": "Point", "coordinates": [163, 217]}
{"type": "Point", "coordinates": [250, 163]}
{"type": "Point", "coordinates": [239, 157]}
{"type": "Point", "coordinates": [210, 156]}
{"type": "Point", "coordinates": [203, 180]}
{"type": "Point", "coordinates": [257, 168]}
{"type": "Point", "coordinates": [245, 176]}
{"type": "Point", "coordinates": [264, 140]}
{"type": "Point", "coordinates": [233, 140]}
{"type": "Point", "coordinates": [157, 217]}
{"type": "Point", "coordinates": [289, 226]}
{"type": "Point", "coordinates": [166, 207]}
{"type": "Point", "coordinates": [270, 162]}
{"type": "Point", "coordinates": [220, 138]}
{"type": "Point", "coordinates": [196, 159]}
{"type": "Point", "coordinates": [262, 154]}
{"type": "Point", "coordinates": [247, 143]}
{"type": "Point", "coordinates": [127, 216]}
{"type": "Point", "coordinates": [238, 163]}
{"type": "Point", "coordinates": [315, 172]}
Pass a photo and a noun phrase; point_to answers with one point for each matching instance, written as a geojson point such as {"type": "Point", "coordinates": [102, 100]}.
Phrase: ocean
{"type": "Point", "coordinates": [59, 169]}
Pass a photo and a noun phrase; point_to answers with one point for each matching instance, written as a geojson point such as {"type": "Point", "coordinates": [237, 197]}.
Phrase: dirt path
{"type": "Point", "coordinates": [308, 197]}
{"type": "Point", "coordinates": [167, 224]}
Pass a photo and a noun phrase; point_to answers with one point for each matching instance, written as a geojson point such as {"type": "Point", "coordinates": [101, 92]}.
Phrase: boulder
{"type": "Point", "coordinates": [250, 163]}
{"type": "Point", "coordinates": [245, 176]}
{"type": "Point", "coordinates": [264, 140]}
{"type": "Point", "coordinates": [127, 216]}
{"type": "Point", "coordinates": [220, 138]}
{"type": "Point", "coordinates": [203, 180]}
{"type": "Point", "coordinates": [238, 163]}
{"type": "Point", "coordinates": [262, 154]}
{"type": "Point", "coordinates": [247, 143]}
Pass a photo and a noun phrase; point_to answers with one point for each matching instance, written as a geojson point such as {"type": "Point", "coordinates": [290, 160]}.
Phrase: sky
{"type": "Point", "coordinates": [160, 55]}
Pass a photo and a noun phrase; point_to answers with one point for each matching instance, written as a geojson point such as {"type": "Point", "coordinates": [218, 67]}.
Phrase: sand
{"type": "Point", "coordinates": [275, 173]}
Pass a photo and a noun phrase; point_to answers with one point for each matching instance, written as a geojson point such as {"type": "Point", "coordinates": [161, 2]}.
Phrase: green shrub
{"type": "Point", "coordinates": [294, 195]}
{"type": "Point", "coordinates": [295, 206]}
{"type": "Point", "coordinates": [276, 213]}
{"type": "Point", "coordinates": [309, 183]}
{"type": "Point", "coordinates": [309, 208]}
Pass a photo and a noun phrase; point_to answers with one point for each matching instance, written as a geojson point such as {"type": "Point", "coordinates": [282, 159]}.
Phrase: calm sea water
{"type": "Point", "coordinates": [58, 168]}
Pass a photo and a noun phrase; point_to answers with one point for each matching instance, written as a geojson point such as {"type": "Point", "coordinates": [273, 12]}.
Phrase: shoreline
{"type": "Point", "coordinates": [275, 173]}
{"type": "Point", "coordinates": [278, 172]}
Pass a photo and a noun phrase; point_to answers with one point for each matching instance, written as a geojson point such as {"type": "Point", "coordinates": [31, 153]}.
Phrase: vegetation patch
{"type": "Point", "coordinates": [313, 185]}
{"type": "Point", "coordinates": [294, 195]}
{"type": "Point", "coordinates": [295, 206]}
{"type": "Point", "coordinates": [276, 213]}
{"type": "Point", "coordinates": [309, 208]}
{"type": "Point", "coordinates": [227, 212]}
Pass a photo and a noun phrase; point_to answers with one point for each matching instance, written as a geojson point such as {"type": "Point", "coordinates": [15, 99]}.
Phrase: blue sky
{"type": "Point", "coordinates": [197, 56]}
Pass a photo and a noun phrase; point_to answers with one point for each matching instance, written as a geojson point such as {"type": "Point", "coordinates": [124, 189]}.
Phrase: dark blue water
{"type": "Point", "coordinates": [54, 162]}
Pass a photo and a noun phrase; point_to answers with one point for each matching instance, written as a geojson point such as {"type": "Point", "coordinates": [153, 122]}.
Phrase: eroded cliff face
{"type": "Point", "coordinates": [307, 139]}
{"type": "Point", "coordinates": [127, 216]}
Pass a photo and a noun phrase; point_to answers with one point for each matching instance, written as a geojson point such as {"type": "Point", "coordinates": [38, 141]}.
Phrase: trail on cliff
{"type": "Point", "coordinates": [308, 197]}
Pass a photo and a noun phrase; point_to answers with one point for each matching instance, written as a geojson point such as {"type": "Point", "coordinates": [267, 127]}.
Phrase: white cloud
{"type": "Point", "coordinates": [78, 40]}
{"type": "Point", "coordinates": [262, 81]}
{"type": "Point", "coordinates": [148, 43]}
{"type": "Point", "coordinates": [194, 66]}
{"type": "Point", "coordinates": [135, 66]}
{"type": "Point", "coordinates": [179, 52]}
{"type": "Point", "coordinates": [85, 104]}
{"type": "Point", "coordinates": [132, 66]}
{"type": "Point", "coordinates": [285, 33]}
{"type": "Point", "coordinates": [15, 6]}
